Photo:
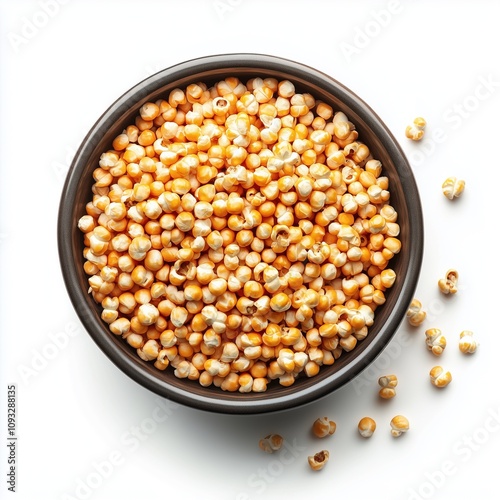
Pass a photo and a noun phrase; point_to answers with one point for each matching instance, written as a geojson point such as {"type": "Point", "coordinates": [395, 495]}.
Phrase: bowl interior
{"type": "Point", "coordinates": [404, 197]}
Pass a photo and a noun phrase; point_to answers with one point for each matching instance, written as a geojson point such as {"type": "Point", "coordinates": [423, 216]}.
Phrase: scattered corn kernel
{"type": "Point", "coordinates": [440, 377]}
{"type": "Point", "coordinates": [323, 427]}
{"type": "Point", "coordinates": [318, 460]}
{"type": "Point", "coordinates": [366, 427]}
{"type": "Point", "coordinates": [467, 344]}
{"type": "Point", "coordinates": [448, 284]}
{"type": "Point", "coordinates": [271, 443]}
{"type": "Point", "coordinates": [415, 313]}
{"type": "Point", "coordinates": [399, 425]}
{"type": "Point", "coordinates": [387, 385]}
{"type": "Point", "coordinates": [453, 187]}
{"type": "Point", "coordinates": [416, 130]}
{"type": "Point", "coordinates": [435, 341]}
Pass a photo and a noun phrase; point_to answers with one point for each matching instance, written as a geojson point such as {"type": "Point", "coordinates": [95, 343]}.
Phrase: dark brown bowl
{"type": "Point", "coordinates": [372, 131]}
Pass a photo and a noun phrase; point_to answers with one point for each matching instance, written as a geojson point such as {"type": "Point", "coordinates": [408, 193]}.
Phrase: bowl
{"type": "Point", "coordinates": [372, 131]}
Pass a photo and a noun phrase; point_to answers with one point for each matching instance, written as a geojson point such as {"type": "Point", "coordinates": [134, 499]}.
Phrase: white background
{"type": "Point", "coordinates": [88, 431]}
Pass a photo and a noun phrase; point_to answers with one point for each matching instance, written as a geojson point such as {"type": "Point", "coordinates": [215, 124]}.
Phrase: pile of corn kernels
{"type": "Point", "coordinates": [240, 234]}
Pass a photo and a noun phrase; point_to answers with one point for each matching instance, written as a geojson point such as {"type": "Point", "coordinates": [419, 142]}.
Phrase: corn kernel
{"type": "Point", "coordinates": [453, 188]}
{"type": "Point", "coordinates": [415, 313]}
{"type": "Point", "coordinates": [388, 385]}
{"type": "Point", "coordinates": [448, 284]}
{"type": "Point", "coordinates": [416, 130]}
{"type": "Point", "coordinates": [435, 341]}
{"type": "Point", "coordinates": [440, 377]}
{"type": "Point", "coordinates": [366, 427]}
{"type": "Point", "coordinates": [323, 427]}
{"type": "Point", "coordinates": [399, 425]}
{"type": "Point", "coordinates": [467, 343]}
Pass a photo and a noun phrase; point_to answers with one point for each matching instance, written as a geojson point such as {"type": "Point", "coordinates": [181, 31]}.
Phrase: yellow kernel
{"type": "Point", "coordinates": [415, 313]}
{"type": "Point", "coordinates": [440, 377]}
{"type": "Point", "coordinates": [399, 425]}
{"type": "Point", "coordinates": [253, 289]}
{"type": "Point", "coordinates": [323, 427]}
{"type": "Point", "coordinates": [387, 385]}
{"type": "Point", "coordinates": [467, 343]}
{"type": "Point", "coordinates": [435, 341]}
{"type": "Point", "coordinates": [416, 130]}
{"type": "Point", "coordinates": [366, 427]}
{"type": "Point", "coordinates": [453, 188]}
{"type": "Point", "coordinates": [448, 284]}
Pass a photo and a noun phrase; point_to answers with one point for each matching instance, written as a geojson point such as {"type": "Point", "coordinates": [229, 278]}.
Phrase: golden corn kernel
{"type": "Point", "coordinates": [253, 289]}
{"type": "Point", "coordinates": [388, 385]}
{"type": "Point", "coordinates": [286, 360]}
{"type": "Point", "coordinates": [448, 284]}
{"type": "Point", "coordinates": [120, 326]}
{"type": "Point", "coordinates": [149, 350]}
{"type": "Point", "coordinates": [289, 336]}
{"type": "Point", "coordinates": [416, 130]}
{"type": "Point", "coordinates": [280, 302]}
{"type": "Point", "coordinates": [439, 377]}
{"type": "Point", "coordinates": [467, 344]}
{"type": "Point", "coordinates": [387, 278]}
{"type": "Point", "coordinates": [272, 335]}
{"type": "Point", "coordinates": [148, 314]}
{"type": "Point", "coordinates": [323, 427]}
{"type": "Point", "coordinates": [453, 188]}
{"type": "Point", "coordinates": [435, 341]}
{"type": "Point", "coordinates": [366, 427]}
{"type": "Point", "coordinates": [399, 425]}
{"type": "Point", "coordinates": [415, 313]}
{"type": "Point", "coordinates": [348, 343]}
{"type": "Point", "coordinates": [311, 369]}
{"type": "Point", "coordinates": [230, 382]}
{"type": "Point", "coordinates": [259, 384]}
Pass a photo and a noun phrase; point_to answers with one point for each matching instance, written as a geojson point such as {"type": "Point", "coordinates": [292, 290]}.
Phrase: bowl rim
{"type": "Point", "coordinates": [128, 364]}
